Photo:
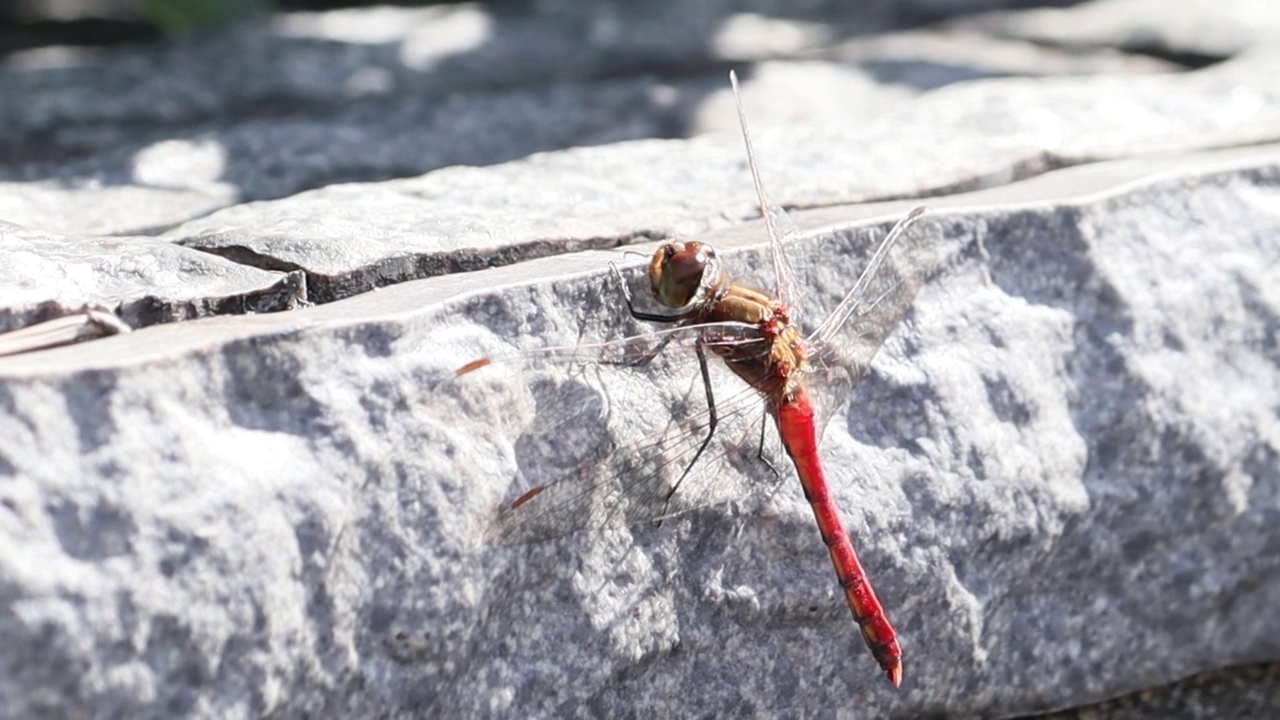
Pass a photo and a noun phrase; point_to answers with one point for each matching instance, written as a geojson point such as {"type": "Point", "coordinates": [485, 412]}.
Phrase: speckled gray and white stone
{"type": "Point", "coordinates": [103, 143]}
{"type": "Point", "coordinates": [1061, 472]}
{"type": "Point", "coordinates": [143, 280]}
{"type": "Point", "coordinates": [352, 238]}
{"type": "Point", "coordinates": [1186, 28]}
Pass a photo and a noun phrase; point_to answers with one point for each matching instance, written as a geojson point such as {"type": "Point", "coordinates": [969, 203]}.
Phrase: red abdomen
{"type": "Point", "coordinates": [799, 436]}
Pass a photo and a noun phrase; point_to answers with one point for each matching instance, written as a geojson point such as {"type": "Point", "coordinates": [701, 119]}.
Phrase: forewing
{"type": "Point", "coordinates": [647, 481]}
{"type": "Point", "coordinates": [843, 344]}
{"type": "Point", "coordinates": [777, 224]}
{"type": "Point", "coordinates": [606, 432]}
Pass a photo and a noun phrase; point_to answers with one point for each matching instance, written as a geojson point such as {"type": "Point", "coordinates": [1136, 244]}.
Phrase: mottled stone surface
{"type": "Point", "coordinates": [1236, 692]}
{"type": "Point", "coordinates": [1185, 28]}
{"type": "Point", "coordinates": [102, 143]}
{"type": "Point", "coordinates": [143, 280]}
{"type": "Point", "coordinates": [352, 238]}
{"type": "Point", "coordinates": [1028, 470]}
{"type": "Point", "coordinates": [1060, 471]}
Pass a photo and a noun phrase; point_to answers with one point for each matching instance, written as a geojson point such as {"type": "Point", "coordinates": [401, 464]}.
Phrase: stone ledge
{"type": "Point", "coordinates": [279, 513]}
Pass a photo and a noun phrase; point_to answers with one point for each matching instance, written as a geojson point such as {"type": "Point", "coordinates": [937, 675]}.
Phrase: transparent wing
{"type": "Point", "coordinates": [651, 480]}
{"type": "Point", "coordinates": [610, 432]}
{"type": "Point", "coordinates": [633, 351]}
{"type": "Point", "coordinates": [778, 225]}
{"type": "Point", "coordinates": [842, 345]}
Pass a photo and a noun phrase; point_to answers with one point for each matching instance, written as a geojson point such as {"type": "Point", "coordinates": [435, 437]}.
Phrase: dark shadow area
{"type": "Point", "coordinates": [16, 36]}
{"type": "Point", "coordinates": [1185, 58]}
{"type": "Point", "coordinates": [923, 75]}
{"type": "Point", "coordinates": [1248, 691]}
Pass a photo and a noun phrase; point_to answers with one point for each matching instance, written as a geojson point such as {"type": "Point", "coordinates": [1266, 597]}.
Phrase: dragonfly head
{"type": "Point", "coordinates": [682, 272]}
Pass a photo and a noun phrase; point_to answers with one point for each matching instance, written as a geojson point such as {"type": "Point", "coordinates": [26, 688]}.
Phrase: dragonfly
{"type": "Point", "coordinates": [760, 339]}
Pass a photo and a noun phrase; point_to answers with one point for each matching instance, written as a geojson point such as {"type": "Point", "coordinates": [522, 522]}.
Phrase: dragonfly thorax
{"type": "Point", "coordinates": [772, 358]}
{"type": "Point", "coordinates": [766, 350]}
{"type": "Point", "coordinates": [683, 274]}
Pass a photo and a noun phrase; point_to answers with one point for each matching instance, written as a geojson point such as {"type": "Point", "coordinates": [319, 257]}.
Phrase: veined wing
{"type": "Point", "coordinates": [843, 344]}
{"type": "Point", "coordinates": [660, 476]}
{"type": "Point", "coordinates": [777, 224]}
{"type": "Point", "coordinates": [631, 351]}
{"type": "Point", "coordinates": [630, 434]}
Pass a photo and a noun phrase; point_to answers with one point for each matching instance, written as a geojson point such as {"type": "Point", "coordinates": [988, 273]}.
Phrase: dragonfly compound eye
{"type": "Point", "coordinates": [675, 274]}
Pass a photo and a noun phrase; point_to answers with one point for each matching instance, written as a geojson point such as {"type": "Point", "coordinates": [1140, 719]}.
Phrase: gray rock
{"type": "Point", "coordinates": [1238, 692]}
{"type": "Point", "coordinates": [1060, 471]}
{"type": "Point", "coordinates": [1188, 29]}
{"type": "Point", "coordinates": [350, 239]}
{"type": "Point", "coordinates": [143, 280]}
{"type": "Point", "coordinates": [102, 143]}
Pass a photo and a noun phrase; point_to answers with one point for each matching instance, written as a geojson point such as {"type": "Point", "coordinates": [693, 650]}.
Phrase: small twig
{"type": "Point", "coordinates": [90, 323]}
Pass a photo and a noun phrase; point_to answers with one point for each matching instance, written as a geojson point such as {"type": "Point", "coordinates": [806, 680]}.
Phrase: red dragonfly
{"type": "Point", "coordinates": [759, 339]}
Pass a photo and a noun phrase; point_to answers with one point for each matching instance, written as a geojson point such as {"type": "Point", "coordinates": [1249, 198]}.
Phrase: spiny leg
{"type": "Point", "coordinates": [712, 421]}
{"type": "Point", "coordinates": [760, 453]}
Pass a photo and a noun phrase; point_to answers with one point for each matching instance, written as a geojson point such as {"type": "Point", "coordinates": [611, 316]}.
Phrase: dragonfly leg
{"type": "Point", "coordinates": [712, 421]}
{"type": "Point", "coordinates": [760, 453]}
{"type": "Point", "coordinates": [644, 317]}
{"type": "Point", "coordinates": [645, 359]}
